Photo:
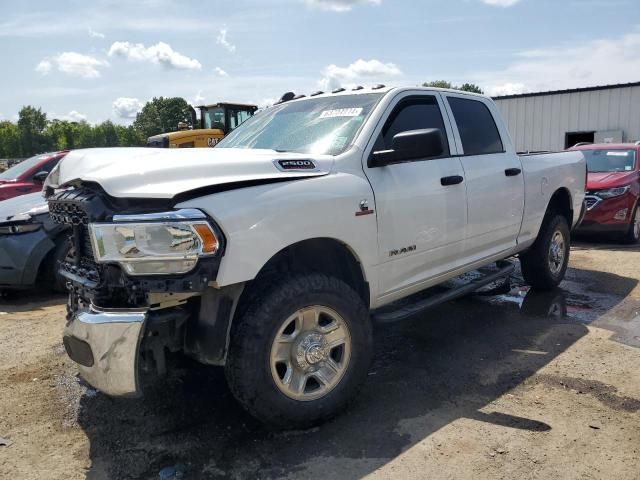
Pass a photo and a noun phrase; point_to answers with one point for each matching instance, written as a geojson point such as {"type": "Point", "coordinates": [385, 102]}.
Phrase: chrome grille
{"type": "Point", "coordinates": [68, 209]}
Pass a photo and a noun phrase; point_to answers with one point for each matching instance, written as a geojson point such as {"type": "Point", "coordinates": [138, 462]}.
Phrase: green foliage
{"type": "Point", "coordinates": [162, 115]}
{"type": "Point", "coordinates": [467, 87]}
{"type": "Point", "coordinates": [9, 140]}
{"type": "Point", "coordinates": [438, 84]}
{"type": "Point", "coordinates": [31, 124]}
{"type": "Point", "coordinates": [34, 134]}
{"type": "Point", "coordinates": [470, 87]}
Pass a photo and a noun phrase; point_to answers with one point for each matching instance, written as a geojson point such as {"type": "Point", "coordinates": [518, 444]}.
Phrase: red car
{"type": "Point", "coordinates": [28, 175]}
{"type": "Point", "coordinates": [613, 190]}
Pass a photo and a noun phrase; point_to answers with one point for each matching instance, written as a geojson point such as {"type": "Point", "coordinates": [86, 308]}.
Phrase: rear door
{"type": "Point", "coordinates": [421, 221]}
{"type": "Point", "coordinates": [493, 176]}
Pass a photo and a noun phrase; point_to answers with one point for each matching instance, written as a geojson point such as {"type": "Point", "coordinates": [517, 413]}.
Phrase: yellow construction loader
{"type": "Point", "coordinates": [214, 123]}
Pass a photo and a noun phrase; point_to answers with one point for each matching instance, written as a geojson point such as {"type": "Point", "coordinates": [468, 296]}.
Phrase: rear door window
{"type": "Point", "coordinates": [477, 128]}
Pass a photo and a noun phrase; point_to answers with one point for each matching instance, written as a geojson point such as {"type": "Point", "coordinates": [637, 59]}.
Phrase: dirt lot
{"type": "Point", "coordinates": [521, 385]}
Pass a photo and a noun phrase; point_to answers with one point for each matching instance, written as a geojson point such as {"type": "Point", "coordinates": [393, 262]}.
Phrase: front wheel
{"type": "Point", "coordinates": [545, 263]}
{"type": "Point", "coordinates": [300, 351]}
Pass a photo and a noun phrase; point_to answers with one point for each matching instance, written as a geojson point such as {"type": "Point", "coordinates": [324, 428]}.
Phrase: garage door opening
{"type": "Point", "coordinates": [571, 138]}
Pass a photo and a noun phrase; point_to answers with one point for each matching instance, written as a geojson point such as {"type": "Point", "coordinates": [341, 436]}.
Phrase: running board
{"type": "Point", "coordinates": [505, 269]}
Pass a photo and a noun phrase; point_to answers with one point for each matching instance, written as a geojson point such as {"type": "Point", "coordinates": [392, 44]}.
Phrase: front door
{"type": "Point", "coordinates": [421, 204]}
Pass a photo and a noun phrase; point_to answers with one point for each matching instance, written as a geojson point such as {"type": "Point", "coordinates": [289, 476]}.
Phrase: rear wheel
{"type": "Point", "coordinates": [300, 351]}
{"type": "Point", "coordinates": [633, 234]}
{"type": "Point", "coordinates": [545, 263]}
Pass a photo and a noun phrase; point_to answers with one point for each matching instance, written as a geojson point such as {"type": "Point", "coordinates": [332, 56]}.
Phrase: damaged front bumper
{"type": "Point", "coordinates": [106, 345]}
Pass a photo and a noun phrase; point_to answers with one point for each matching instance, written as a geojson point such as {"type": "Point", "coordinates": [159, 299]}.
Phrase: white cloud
{"type": "Point", "coordinates": [72, 116]}
{"type": "Point", "coordinates": [222, 40]}
{"type": "Point", "coordinates": [501, 3]}
{"type": "Point", "coordinates": [597, 62]}
{"type": "Point", "coordinates": [334, 76]}
{"type": "Point", "coordinates": [44, 67]}
{"type": "Point", "coordinates": [160, 54]}
{"type": "Point", "coordinates": [72, 63]}
{"type": "Point", "coordinates": [127, 107]}
{"type": "Point", "coordinates": [198, 99]}
{"type": "Point", "coordinates": [220, 72]}
{"type": "Point", "coordinates": [94, 34]}
{"type": "Point", "coordinates": [507, 89]}
{"type": "Point", "coordinates": [339, 5]}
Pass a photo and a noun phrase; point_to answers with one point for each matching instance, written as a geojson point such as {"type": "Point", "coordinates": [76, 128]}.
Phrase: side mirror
{"type": "Point", "coordinates": [40, 177]}
{"type": "Point", "coordinates": [409, 145]}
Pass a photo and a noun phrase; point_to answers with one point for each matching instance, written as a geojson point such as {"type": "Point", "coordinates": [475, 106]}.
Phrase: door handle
{"type": "Point", "coordinates": [512, 172]}
{"type": "Point", "coordinates": [451, 180]}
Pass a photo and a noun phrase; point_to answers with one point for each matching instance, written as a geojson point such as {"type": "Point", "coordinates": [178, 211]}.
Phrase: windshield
{"type": "Point", "coordinates": [25, 165]}
{"type": "Point", "coordinates": [214, 118]}
{"type": "Point", "coordinates": [318, 126]}
{"type": "Point", "coordinates": [610, 160]}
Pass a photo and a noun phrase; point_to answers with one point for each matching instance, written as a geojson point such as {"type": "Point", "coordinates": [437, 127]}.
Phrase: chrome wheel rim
{"type": "Point", "coordinates": [556, 252]}
{"type": "Point", "coordinates": [636, 226]}
{"type": "Point", "coordinates": [310, 353]}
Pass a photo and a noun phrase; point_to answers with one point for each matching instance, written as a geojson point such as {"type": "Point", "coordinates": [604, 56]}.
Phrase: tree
{"type": "Point", "coordinates": [438, 84]}
{"type": "Point", "coordinates": [162, 115]}
{"type": "Point", "coordinates": [129, 136]}
{"type": "Point", "coordinates": [470, 87]}
{"type": "Point", "coordinates": [467, 87]}
{"type": "Point", "coordinates": [107, 135]}
{"type": "Point", "coordinates": [9, 140]}
{"type": "Point", "coordinates": [31, 125]}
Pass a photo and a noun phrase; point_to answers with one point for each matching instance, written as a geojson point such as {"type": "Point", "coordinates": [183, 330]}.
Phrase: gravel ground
{"type": "Point", "coordinates": [520, 385]}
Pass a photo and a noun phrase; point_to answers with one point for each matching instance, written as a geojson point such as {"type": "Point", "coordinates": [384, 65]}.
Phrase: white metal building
{"type": "Point", "coordinates": [560, 119]}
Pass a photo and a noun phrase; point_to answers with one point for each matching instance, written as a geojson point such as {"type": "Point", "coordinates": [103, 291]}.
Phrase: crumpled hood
{"type": "Point", "coordinates": [166, 172]}
{"type": "Point", "coordinates": [597, 180]}
{"type": "Point", "coordinates": [16, 208]}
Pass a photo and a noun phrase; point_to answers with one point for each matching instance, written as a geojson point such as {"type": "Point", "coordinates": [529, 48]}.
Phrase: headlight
{"type": "Point", "coordinates": [612, 192]}
{"type": "Point", "coordinates": [18, 228]}
{"type": "Point", "coordinates": [164, 244]}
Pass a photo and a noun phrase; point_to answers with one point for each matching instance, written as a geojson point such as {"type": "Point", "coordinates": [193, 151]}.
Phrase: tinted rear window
{"type": "Point", "coordinates": [478, 130]}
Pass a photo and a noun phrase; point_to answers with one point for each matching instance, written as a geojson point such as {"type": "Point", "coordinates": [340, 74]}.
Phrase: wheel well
{"type": "Point", "coordinates": [46, 262]}
{"type": "Point", "coordinates": [560, 202]}
{"type": "Point", "coordinates": [323, 255]}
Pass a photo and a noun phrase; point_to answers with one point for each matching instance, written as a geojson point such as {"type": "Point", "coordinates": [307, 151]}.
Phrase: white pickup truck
{"type": "Point", "coordinates": [268, 253]}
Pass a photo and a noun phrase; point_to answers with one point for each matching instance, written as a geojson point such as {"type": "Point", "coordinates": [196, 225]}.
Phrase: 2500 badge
{"type": "Point", "coordinates": [296, 164]}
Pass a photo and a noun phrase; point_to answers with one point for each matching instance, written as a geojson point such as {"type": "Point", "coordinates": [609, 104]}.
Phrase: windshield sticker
{"type": "Point", "coordinates": [342, 112]}
{"type": "Point", "coordinates": [617, 154]}
{"type": "Point", "coordinates": [627, 168]}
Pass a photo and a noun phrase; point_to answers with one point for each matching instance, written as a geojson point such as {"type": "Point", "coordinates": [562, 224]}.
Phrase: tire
{"type": "Point", "coordinates": [51, 277]}
{"type": "Point", "coordinates": [271, 343]}
{"type": "Point", "coordinates": [542, 267]}
{"type": "Point", "coordinates": [633, 234]}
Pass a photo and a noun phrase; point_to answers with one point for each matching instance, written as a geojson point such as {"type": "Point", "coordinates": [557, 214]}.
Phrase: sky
{"type": "Point", "coordinates": [103, 59]}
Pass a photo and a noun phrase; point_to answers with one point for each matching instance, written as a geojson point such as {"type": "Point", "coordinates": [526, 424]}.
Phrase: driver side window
{"type": "Point", "coordinates": [412, 114]}
{"type": "Point", "coordinates": [47, 167]}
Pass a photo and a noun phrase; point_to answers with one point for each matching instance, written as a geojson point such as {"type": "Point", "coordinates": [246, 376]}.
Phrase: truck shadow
{"type": "Point", "coordinates": [29, 300]}
{"type": "Point", "coordinates": [429, 371]}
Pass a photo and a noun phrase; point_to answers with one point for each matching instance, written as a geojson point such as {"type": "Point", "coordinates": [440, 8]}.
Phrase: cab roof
{"type": "Point", "coordinates": [229, 104]}
{"type": "Point", "coordinates": [358, 90]}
